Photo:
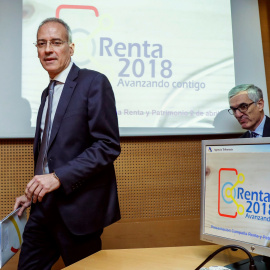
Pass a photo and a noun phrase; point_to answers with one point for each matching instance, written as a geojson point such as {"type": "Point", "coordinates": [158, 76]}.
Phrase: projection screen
{"type": "Point", "coordinates": [171, 63]}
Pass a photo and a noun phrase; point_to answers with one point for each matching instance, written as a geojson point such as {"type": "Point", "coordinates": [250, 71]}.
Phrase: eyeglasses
{"type": "Point", "coordinates": [55, 43]}
{"type": "Point", "coordinates": [243, 107]}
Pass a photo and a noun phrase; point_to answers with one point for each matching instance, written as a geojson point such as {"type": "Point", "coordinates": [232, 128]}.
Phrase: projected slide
{"type": "Point", "coordinates": [170, 63]}
{"type": "Point", "coordinates": [237, 198]}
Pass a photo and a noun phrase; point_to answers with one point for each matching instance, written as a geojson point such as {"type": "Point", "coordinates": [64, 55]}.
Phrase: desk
{"type": "Point", "coordinates": [169, 258]}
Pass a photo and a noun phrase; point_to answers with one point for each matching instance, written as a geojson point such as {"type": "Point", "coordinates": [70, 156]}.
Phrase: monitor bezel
{"type": "Point", "coordinates": [258, 249]}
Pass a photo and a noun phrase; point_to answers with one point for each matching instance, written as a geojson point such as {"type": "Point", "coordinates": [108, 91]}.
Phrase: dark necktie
{"type": "Point", "coordinates": [46, 133]}
{"type": "Point", "coordinates": [253, 134]}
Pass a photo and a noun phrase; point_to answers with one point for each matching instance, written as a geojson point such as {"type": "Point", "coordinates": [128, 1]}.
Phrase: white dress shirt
{"type": "Point", "coordinates": [259, 129]}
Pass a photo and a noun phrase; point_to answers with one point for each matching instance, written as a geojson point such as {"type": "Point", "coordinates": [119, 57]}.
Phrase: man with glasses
{"type": "Point", "coordinates": [73, 194]}
{"type": "Point", "coordinates": [246, 104]}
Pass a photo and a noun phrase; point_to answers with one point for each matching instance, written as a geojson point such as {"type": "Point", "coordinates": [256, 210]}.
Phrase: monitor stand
{"type": "Point", "coordinates": [261, 262]}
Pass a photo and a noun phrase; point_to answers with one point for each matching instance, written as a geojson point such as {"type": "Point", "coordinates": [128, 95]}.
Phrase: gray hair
{"type": "Point", "coordinates": [57, 20]}
{"type": "Point", "coordinates": [254, 92]}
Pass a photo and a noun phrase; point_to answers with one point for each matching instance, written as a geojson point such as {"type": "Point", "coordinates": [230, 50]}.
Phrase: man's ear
{"type": "Point", "coordinates": [260, 104]}
{"type": "Point", "coordinates": [71, 48]}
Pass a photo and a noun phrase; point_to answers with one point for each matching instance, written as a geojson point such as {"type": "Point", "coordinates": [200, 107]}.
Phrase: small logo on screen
{"type": "Point", "coordinates": [80, 31]}
{"type": "Point", "coordinates": [210, 149]}
{"type": "Point", "coordinates": [227, 205]}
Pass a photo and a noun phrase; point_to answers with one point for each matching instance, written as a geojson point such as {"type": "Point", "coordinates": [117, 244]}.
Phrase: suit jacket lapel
{"type": "Point", "coordinates": [66, 95]}
{"type": "Point", "coordinates": [245, 135]}
{"type": "Point", "coordinates": [266, 128]}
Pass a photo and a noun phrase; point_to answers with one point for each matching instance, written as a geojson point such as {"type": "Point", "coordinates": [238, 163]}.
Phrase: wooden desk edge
{"type": "Point", "coordinates": [188, 257]}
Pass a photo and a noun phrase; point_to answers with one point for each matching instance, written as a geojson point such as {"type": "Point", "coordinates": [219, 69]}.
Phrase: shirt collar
{"type": "Point", "coordinates": [62, 76]}
{"type": "Point", "coordinates": [259, 129]}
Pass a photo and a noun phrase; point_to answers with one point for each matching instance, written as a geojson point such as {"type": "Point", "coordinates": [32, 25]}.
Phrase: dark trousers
{"type": "Point", "coordinates": [46, 238]}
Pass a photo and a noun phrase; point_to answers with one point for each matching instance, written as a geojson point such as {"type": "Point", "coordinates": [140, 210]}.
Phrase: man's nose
{"type": "Point", "coordinates": [49, 47]}
{"type": "Point", "coordinates": [238, 113]}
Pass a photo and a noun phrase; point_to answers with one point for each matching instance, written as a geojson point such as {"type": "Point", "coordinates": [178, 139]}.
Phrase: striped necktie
{"type": "Point", "coordinates": [45, 137]}
{"type": "Point", "coordinates": [253, 134]}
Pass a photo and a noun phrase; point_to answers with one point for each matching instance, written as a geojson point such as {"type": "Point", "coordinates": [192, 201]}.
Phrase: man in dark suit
{"type": "Point", "coordinates": [76, 195]}
{"type": "Point", "coordinates": [246, 104]}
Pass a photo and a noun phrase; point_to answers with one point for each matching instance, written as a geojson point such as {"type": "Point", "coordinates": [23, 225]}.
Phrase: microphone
{"type": "Point", "coordinates": [252, 265]}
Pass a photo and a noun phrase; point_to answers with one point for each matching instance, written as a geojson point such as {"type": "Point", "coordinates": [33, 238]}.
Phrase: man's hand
{"type": "Point", "coordinates": [23, 202]}
{"type": "Point", "coordinates": [40, 185]}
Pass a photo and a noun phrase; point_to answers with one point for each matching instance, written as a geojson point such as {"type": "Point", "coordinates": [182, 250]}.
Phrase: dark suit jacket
{"type": "Point", "coordinates": [84, 142]}
{"type": "Point", "coordinates": [266, 130]}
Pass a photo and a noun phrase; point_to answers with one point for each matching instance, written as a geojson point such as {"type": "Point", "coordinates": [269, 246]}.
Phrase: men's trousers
{"type": "Point", "coordinates": [46, 238]}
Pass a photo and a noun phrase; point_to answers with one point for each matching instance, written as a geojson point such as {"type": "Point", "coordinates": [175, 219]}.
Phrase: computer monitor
{"type": "Point", "coordinates": [235, 194]}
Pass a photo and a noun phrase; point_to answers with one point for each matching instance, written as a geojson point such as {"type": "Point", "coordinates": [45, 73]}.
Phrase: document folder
{"type": "Point", "coordinates": [11, 230]}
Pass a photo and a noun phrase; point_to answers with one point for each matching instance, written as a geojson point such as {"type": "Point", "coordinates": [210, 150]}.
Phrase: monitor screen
{"type": "Point", "coordinates": [235, 206]}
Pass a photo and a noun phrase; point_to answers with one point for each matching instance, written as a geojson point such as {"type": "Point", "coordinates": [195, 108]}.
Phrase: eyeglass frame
{"type": "Point", "coordinates": [232, 111]}
{"type": "Point", "coordinates": [50, 43]}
